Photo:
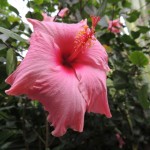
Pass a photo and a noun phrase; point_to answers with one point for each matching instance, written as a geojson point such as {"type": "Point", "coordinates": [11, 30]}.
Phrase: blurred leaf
{"type": "Point", "coordinates": [11, 61]}
{"type": "Point", "coordinates": [13, 9]}
{"type": "Point", "coordinates": [2, 86]}
{"type": "Point", "coordinates": [146, 75]}
{"type": "Point", "coordinates": [109, 83]}
{"type": "Point", "coordinates": [102, 8]}
{"type": "Point", "coordinates": [6, 145]}
{"type": "Point", "coordinates": [143, 29]}
{"type": "Point", "coordinates": [128, 40]}
{"type": "Point", "coordinates": [125, 3]}
{"type": "Point", "coordinates": [138, 58]}
{"type": "Point", "coordinates": [36, 15]}
{"type": "Point", "coordinates": [31, 137]}
{"type": "Point", "coordinates": [120, 79]}
{"type": "Point", "coordinates": [3, 3]}
{"type": "Point", "coordinates": [12, 34]}
{"type": "Point", "coordinates": [143, 97]}
{"type": "Point", "coordinates": [4, 135]}
{"type": "Point", "coordinates": [13, 18]}
{"type": "Point", "coordinates": [2, 46]}
{"type": "Point", "coordinates": [4, 37]}
{"type": "Point", "coordinates": [70, 2]}
{"type": "Point", "coordinates": [6, 108]}
{"type": "Point", "coordinates": [39, 2]}
{"type": "Point", "coordinates": [103, 22]}
{"type": "Point", "coordinates": [91, 10]}
{"type": "Point", "coordinates": [78, 15]}
{"type": "Point", "coordinates": [113, 1]}
{"type": "Point", "coordinates": [107, 36]}
{"type": "Point", "coordinates": [108, 48]}
{"type": "Point", "coordinates": [3, 115]}
{"type": "Point", "coordinates": [133, 16]}
{"type": "Point", "coordinates": [147, 113]}
{"type": "Point", "coordinates": [135, 34]}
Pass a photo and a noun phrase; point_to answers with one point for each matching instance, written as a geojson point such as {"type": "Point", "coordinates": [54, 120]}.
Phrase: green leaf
{"type": "Point", "coordinates": [128, 40]}
{"type": "Point", "coordinates": [91, 10]}
{"type": "Point", "coordinates": [13, 18]}
{"type": "Point", "coordinates": [135, 34]}
{"type": "Point", "coordinates": [126, 4]}
{"type": "Point", "coordinates": [143, 29]}
{"type": "Point", "coordinates": [4, 37]}
{"type": "Point", "coordinates": [5, 135]}
{"type": "Point", "coordinates": [102, 8]}
{"type": "Point", "coordinates": [11, 61]}
{"type": "Point", "coordinates": [6, 145]}
{"type": "Point", "coordinates": [143, 97]}
{"type": "Point", "coordinates": [12, 34]}
{"type": "Point", "coordinates": [72, 2]}
{"type": "Point", "coordinates": [113, 1]}
{"type": "Point", "coordinates": [2, 46]}
{"type": "Point", "coordinates": [2, 86]}
{"type": "Point", "coordinates": [36, 15]}
{"type": "Point", "coordinates": [38, 2]}
{"type": "Point", "coordinates": [3, 3]}
{"type": "Point", "coordinates": [146, 75]}
{"type": "Point", "coordinates": [120, 79]}
{"type": "Point", "coordinates": [133, 16]}
{"type": "Point", "coordinates": [138, 58]}
{"type": "Point", "coordinates": [78, 15]}
{"type": "Point", "coordinates": [13, 9]}
{"type": "Point", "coordinates": [6, 108]}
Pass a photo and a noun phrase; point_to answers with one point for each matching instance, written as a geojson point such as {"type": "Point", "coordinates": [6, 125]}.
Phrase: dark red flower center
{"type": "Point", "coordinates": [83, 40]}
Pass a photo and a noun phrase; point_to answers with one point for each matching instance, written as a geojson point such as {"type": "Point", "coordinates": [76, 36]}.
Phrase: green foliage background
{"type": "Point", "coordinates": [23, 124]}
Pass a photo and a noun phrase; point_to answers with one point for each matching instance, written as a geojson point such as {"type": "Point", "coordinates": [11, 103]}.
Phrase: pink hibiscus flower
{"type": "Point", "coordinates": [114, 26]}
{"type": "Point", "coordinates": [120, 140]}
{"type": "Point", "coordinates": [63, 12]}
{"type": "Point", "coordinates": [65, 70]}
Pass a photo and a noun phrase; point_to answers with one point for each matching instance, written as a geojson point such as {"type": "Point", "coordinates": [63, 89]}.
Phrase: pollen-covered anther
{"type": "Point", "coordinates": [84, 38]}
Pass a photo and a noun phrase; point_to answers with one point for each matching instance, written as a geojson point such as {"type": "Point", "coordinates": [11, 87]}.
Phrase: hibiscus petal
{"type": "Point", "coordinates": [92, 85]}
{"type": "Point", "coordinates": [94, 56]}
{"type": "Point", "coordinates": [63, 34]}
{"type": "Point", "coordinates": [42, 54]}
{"type": "Point", "coordinates": [58, 92]}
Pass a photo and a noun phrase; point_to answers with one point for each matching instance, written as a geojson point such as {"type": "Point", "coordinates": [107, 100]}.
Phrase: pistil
{"type": "Point", "coordinates": [84, 38]}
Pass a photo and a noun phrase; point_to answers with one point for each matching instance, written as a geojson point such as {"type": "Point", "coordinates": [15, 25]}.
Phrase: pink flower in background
{"type": "Point", "coordinates": [63, 12]}
{"type": "Point", "coordinates": [114, 26]}
{"type": "Point", "coordinates": [65, 70]}
{"type": "Point", "coordinates": [120, 140]}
